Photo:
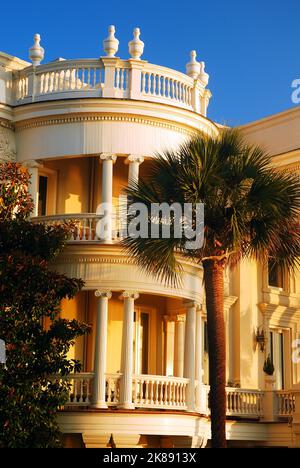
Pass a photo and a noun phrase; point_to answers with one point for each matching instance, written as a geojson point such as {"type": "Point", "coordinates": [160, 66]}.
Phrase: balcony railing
{"type": "Point", "coordinates": [286, 403]}
{"type": "Point", "coordinates": [84, 226]}
{"type": "Point", "coordinates": [109, 78]}
{"type": "Point", "coordinates": [160, 392]}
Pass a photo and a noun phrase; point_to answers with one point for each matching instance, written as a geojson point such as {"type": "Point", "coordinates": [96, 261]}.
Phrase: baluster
{"type": "Point", "coordinates": [156, 392]}
{"type": "Point", "coordinates": [127, 79]}
{"type": "Point", "coordinates": [151, 392]}
{"type": "Point", "coordinates": [122, 78]}
{"type": "Point", "coordinates": [158, 85]}
{"type": "Point", "coordinates": [169, 88]}
{"type": "Point", "coordinates": [117, 77]}
{"type": "Point", "coordinates": [143, 82]}
{"type": "Point", "coordinates": [46, 83]}
{"type": "Point", "coordinates": [69, 80]}
{"type": "Point", "coordinates": [62, 80]}
{"type": "Point", "coordinates": [78, 226]}
{"type": "Point", "coordinates": [76, 78]}
{"type": "Point", "coordinates": [163, 86]}
{"type": "Point", "coordinates": [84, 237]}
{"type": "Point", "coordinates": [147, 392]}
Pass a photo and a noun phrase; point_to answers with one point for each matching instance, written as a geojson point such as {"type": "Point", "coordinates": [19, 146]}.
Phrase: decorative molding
{"type": "Point", "coordinates": [7, 124]}
{"type": "Point", "coordinates": [101, 117]}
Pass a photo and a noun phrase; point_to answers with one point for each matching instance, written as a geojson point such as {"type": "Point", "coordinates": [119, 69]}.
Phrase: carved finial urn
{"type": "Point", "coordinates": [204, 77]}
{"type": "Point", "coordinates": [193, 68]}
{"type": "Point", "coordinates": [136, 46]}
{"type": "Point", "coordinates": [111, 43]}
{"type": "Point", "coordinates": [36, 52]}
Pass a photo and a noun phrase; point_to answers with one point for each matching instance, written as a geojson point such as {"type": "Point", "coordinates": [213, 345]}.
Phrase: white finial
{"type": "Point", "coordinates": [193, 67]}
{"type": "Point", "coordinates": [204, 77]}
{"type": "Point", "coordinates": [136, 46]}
{"type": "Point", "coordinates": [111, 43]}
{"type": "Point", "coordinates": [36, 52]}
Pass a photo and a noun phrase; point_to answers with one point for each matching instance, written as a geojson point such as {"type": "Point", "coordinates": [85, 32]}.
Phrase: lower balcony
{"type": "Point", "coordinates": [171, 393]}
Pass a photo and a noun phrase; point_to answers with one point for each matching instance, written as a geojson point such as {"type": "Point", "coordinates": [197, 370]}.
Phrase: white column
{"type": "Point", "coordinates": [100, 349]}
{"type": "Point", "coordinates": [33, 169]}
{"type": "Point", "coordinates": [133, 161]}
{"type": "Point", "coordinates": [198, 358]}
{"type": "Point", "coordinates": [108, 160]}
{"type": "Point", "coordinates": [179, 346]}
{"type": "Point", "coordinates": [127, 350]}
{"type": "Point", "coordinates": [189, 353]}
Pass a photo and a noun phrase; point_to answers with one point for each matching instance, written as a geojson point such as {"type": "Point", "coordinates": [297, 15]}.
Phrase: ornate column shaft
{"type": "Point", "coordinates": [108, 160]}
{"type": "Point", "coordinates": [133, 161]}
{"type": "Point", "coordinates": [100, 349]}
{"type": "Point", "coordinates": [179, 346]}
{"type": "Point", "coordinates": [127, 350]}
{"type": "Point", "coordinates": [189, 353]}
{"type": "Point", "coordinates": [33, 169]}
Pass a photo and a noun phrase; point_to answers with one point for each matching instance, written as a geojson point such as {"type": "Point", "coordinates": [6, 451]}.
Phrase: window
{"type": "Point", "coordinates": [43, 184]}
{"type": "Point", "coordinates": [275, 275]}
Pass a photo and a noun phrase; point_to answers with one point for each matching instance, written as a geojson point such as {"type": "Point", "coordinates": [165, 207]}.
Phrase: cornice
{"type": "Point", "coordinates": [100, 117]}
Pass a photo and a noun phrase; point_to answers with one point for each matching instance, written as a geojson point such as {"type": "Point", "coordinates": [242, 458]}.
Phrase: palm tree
{"type": "Point", "coordinates": [251, 210]}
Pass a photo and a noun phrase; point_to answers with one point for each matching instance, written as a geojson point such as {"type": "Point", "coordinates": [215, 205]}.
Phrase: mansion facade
{"type": "Point", "coordinates": [85, 128]}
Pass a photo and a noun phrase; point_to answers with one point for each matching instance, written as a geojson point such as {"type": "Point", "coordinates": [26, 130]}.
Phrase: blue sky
{"type": "Point", "coordinates": [251, 48]}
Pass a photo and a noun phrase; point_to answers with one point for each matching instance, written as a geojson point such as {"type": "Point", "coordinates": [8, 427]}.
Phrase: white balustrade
{"type": "Point", "coordinates": [244, 403]}
{"type": "Point", "coordinates": [112, 389]}
{"type": "Point", "coordinates": [161, 86]}
{"type": "Point", "coordinates": [80, 389]}
{"type": "Point", "coordinates": [151, 391]}
{"type": "Point", "coordinates": [83, 225]}
{"type": "Point", "coordinates": [63, 79]}
{"type": "Point", "coordinates": [240, 402]}
{"type": "Point", "coordinates": [286, 403]}
{"type": "Point", "coordinates": [160, 392]}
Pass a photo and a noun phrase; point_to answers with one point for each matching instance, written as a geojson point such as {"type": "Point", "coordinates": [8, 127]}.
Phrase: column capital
{"type": "Point", "coordinates": [108, 157]}
{"type": "Point", "coordinates": [192, 304]}
{"type": "Point", "coordinates": [99, 293]}
{"type": "Point", "coordinates": [32, 163]}
{"type": "Point", "coordinates": [130, 295]}
{"type": "Point", "coordinates": [134, 158]}
{"type": "Point", "coordinates": [180, 318]}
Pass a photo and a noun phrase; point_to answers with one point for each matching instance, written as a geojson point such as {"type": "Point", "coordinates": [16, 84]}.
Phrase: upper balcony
{"type": "Point", "coordinates": [105, 77]}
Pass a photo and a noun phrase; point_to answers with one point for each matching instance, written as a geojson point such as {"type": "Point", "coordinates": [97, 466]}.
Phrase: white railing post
{"type": "Point", "coordinates": [205, 97]}
{"type": "Point", "coordinates": [196, 93]}
{"type": "Point", "coordinates": [100, 349]}
{"type": "Point", "coordinates": [110, 65]}
{"type": "Point", "coordinates": [136, 67]}
{"type": "Point", "coordinates": [270, 400]}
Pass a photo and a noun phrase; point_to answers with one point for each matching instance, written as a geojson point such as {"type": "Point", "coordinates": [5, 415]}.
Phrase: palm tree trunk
{"type": "Point", "coordinates": [214, 290]}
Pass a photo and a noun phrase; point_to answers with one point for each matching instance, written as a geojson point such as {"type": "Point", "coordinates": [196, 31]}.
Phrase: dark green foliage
{"type": "Point", "coordinates": [32, 383]}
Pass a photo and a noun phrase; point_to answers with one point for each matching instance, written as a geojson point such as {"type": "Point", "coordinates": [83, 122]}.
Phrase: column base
{"type": "Point", "coordinates": [128, 406]}
{"type": "Point", "coordinates": [99, 405]}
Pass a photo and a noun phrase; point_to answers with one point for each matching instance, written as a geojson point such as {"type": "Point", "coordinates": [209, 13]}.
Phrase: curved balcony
{"type": "Point", "coordinates": [110, 78]}
{"type": "Point", "coordinates": [166, 393]}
